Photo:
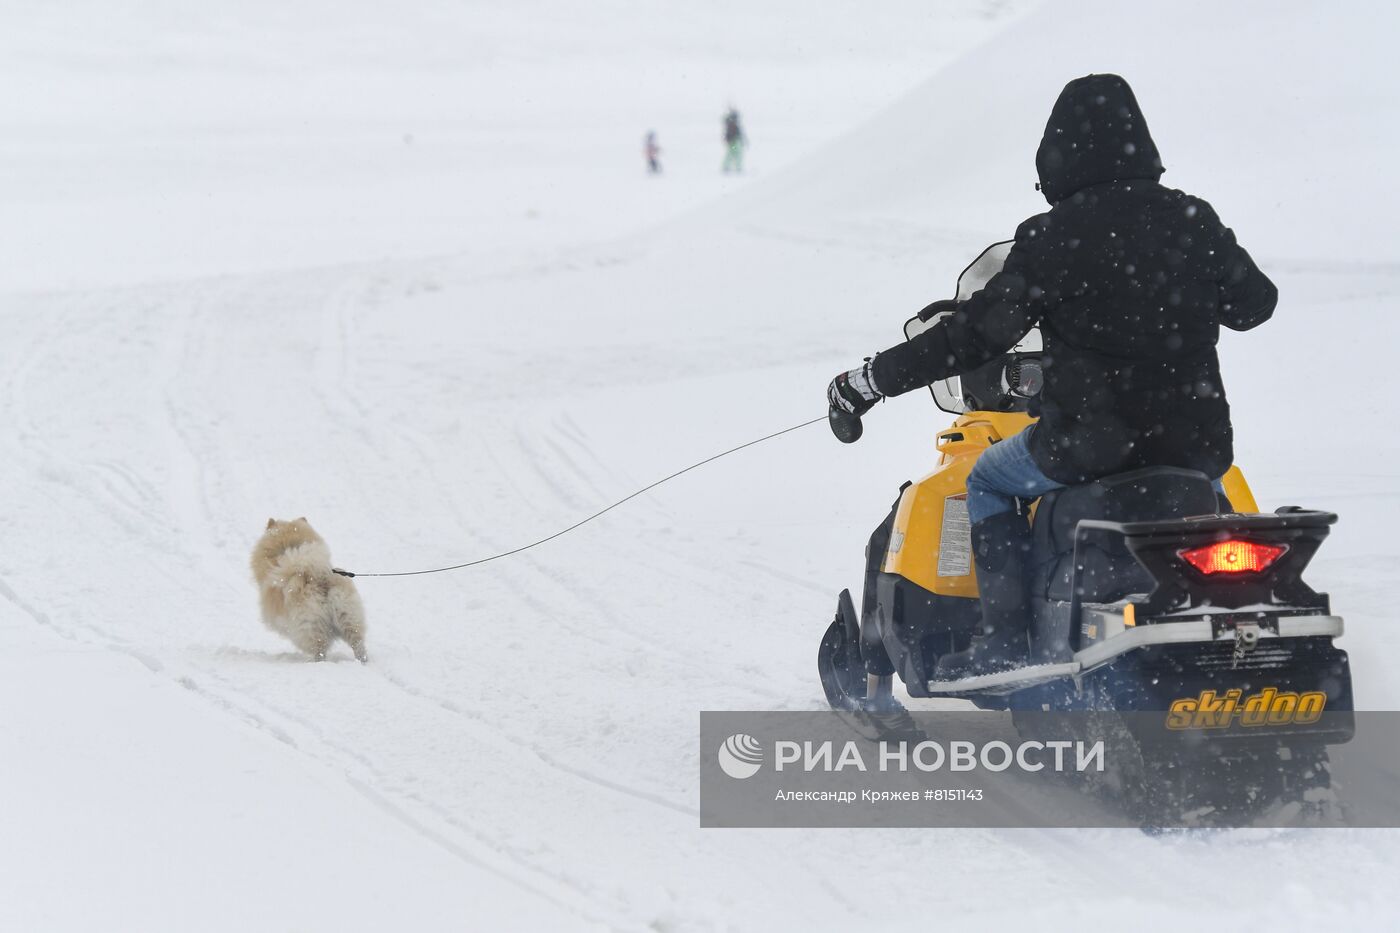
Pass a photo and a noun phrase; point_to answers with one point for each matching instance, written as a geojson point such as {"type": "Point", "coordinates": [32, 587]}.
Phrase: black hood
{"type": "Point", "coordinates": [1096, 134]}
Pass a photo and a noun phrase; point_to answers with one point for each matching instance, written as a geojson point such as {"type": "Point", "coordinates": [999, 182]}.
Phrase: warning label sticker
{"type": "Point", "coordinates": [955, 542]}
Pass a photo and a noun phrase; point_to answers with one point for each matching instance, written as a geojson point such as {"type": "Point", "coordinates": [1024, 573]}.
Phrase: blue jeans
{"type": "Point", "coordinates": [1004, 473]}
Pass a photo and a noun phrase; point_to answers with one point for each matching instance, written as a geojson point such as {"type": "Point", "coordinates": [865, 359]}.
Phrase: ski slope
{"type": "Point", "coordinates": [406, 276]}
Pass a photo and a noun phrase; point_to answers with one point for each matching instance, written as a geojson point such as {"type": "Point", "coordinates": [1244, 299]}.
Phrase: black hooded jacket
{"type": "Point", "coordinates": [1129, 282]}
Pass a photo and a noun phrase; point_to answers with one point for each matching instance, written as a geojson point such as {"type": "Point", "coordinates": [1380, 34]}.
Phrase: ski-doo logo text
{"type": "Point", "coordinates": [1268, 707]}
{"type": "Point", "coordinates": [741, 756]}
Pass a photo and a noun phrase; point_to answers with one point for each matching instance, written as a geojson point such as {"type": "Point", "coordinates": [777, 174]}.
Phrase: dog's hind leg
{"type": "Point", "coordinates": [311, 635]}
{"type": "Point", "coordinates": [317, 645]}
{"type": "Point", "coordinates": [354, 636]}
{"type": "Point", "coordinates": [348, 617]}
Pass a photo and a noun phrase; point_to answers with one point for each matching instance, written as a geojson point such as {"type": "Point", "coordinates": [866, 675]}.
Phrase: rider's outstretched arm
{"type": "Point", "coordinates": [991, 321]}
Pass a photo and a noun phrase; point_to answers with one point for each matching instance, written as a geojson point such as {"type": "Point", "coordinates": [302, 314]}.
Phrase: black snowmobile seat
{"type": "Point", "coordinates": [1109, 572]}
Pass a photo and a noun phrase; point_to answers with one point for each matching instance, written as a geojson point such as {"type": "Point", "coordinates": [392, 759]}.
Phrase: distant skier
{"type": "Point", "coordinates": [734, 142]}
{"type": "Point", "coordinates": [1130, 282]}
{"type": "Point", "coordinates": [653, 153]}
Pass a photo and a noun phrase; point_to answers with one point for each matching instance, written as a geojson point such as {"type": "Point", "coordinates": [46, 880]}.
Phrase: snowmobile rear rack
{"type": "Point", "coordinates": [1131, 639]}
{"type": "Point", "coordinates": [1157, 546]}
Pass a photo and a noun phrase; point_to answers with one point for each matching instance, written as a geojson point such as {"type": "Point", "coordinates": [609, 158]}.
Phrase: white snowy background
{"type": "Point", "coordinates": [398, 268]}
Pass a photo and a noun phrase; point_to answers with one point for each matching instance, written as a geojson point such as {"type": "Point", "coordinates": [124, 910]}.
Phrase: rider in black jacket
{"type": "Point", "coordinates": [1129, 282]}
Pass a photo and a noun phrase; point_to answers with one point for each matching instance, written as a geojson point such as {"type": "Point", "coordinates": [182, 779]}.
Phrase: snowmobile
{"type": "Point", "coordinates": [1151, 590]}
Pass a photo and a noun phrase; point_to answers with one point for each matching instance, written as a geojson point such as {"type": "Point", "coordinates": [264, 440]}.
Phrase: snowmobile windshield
{"type": "Point", "coordinates": [980, 271]}
{"type": "Point", "coordinates": [1008, 383]}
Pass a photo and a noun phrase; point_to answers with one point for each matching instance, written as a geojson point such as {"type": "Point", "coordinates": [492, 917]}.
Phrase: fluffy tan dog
{"type": "Point", "coordinates": [301, 597]}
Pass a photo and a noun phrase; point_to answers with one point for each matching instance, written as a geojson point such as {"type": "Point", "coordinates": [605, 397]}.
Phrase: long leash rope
{"type": "Point", "coordinates": [598, 514]}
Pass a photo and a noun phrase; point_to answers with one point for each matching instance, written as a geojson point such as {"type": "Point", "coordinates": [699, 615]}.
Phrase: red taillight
{"type": "Point", "coordinates": [1232, 556]}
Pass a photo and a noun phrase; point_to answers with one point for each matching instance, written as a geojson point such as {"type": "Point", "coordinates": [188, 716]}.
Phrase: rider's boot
{"type": "Point", "coordinates": [1001, 547]}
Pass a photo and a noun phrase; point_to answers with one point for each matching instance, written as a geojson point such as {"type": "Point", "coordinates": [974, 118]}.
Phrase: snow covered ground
{"type": "Point", "coordinates": [404, 274]}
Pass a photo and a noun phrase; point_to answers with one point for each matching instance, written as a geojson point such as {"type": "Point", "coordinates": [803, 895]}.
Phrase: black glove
{"type": "Point", "coordinates": [853, 392]}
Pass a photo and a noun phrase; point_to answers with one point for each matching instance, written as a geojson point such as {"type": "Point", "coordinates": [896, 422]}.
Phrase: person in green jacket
{"type": "Point", "coordinates": [734, 141]}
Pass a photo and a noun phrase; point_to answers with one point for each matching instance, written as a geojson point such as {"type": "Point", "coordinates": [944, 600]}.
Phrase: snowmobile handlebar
{"type": "Point", "coordinates": [846, 426]}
